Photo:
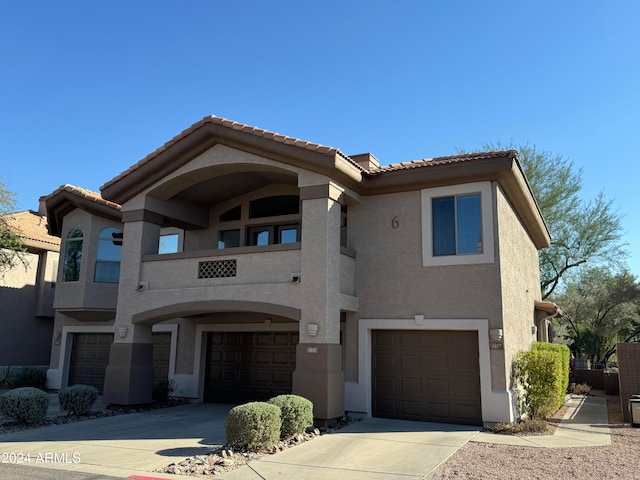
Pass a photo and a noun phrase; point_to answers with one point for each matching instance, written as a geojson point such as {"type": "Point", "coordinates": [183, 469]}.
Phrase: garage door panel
{"type": "Point", "coordinates": [411, 384]}
{"type": "Point", "coordinates": [383, 361]}
{"type": "Point", "coordinates": [438, 386]}
{"type": "Point", "coordinates": [281, 358]}
{"type": "Point", "coordinates": [412, 408]}
{"type": "Point", "coordinates": [435, 363]}
{"type": "Point", "coordinates": [411, 362]}
{"type": "Point", "coordinates": [443, 386]}
{"type": "Point", "coordinates": [384, 383]}
{"type": "Point", "coordinates": [439, 411]}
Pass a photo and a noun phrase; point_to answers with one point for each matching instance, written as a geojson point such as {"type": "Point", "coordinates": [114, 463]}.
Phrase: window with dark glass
{"type": "Point", "coordinates": [229, 238]}
{"type": "Point", "coordinates": [109, 255]}
{"type": "Point", "coordinates": [230, 215]}
{"type": "Point", "coordinates": [274, 206]}
{"type": "Point", "coordinates": [457, 225]}
{"type": "Point", "coordinates": [72, 256]}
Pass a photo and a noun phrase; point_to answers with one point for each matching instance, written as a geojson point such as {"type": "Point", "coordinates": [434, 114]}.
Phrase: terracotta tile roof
{"type": "Point", "coordinates": [212, 119]}
{"type": "Point", "coordinates": [30, 226]}
{"type": "Point", "coordinates": [431, 162]}
{"type": "Point", "coordinates": [83, 193]}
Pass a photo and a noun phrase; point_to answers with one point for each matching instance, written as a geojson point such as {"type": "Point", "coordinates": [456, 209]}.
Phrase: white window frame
{"type": "Point", "coordinates": [486, 206]}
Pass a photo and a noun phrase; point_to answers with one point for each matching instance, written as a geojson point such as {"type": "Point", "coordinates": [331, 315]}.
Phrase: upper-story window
{"type": "Point", "coordinates": [109, 254]}
{"type": "Point", "coordinates": [274, 206]}
{"type": "Point", "coordinates": [171, 240]}
{"type": "Point", "coordinates": [457, 225]}
{"type": "Point", "coordinates": [72, 256]}
{"type": "Point", "coordinates": [252, 233]}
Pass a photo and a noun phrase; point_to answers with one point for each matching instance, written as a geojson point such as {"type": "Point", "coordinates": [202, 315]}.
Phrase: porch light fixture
{"type": "Point", "coordinates": [312, 329]}
{"type": "Point", "coordinates": [496, 335]}
{"type": "Point", "coordinates": [122, 331]}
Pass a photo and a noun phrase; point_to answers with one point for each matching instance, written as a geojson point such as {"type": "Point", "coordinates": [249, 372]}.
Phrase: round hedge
{"type": "Point", "coordinates": [253, 426]}
{"type": "Point", "coordinates": [26, 404]}
{"type": "Point", "coordinates": [297, 414]}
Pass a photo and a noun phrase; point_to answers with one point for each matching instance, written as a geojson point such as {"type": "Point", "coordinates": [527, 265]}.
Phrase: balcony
{"type": "Point", "coordinates": [272, 264]}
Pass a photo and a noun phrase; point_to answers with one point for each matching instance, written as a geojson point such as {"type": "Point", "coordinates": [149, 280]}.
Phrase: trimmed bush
{"type": "Point", "coordinates": [542, 375]}
{"type": "Point", "coordinates": [564, 352]}
{"type": "Point", "coordinates": [78, 399]}
{"type": "Point", "coordinates": [253, 426]}
{"type": "Point", "coordinates": [26, 404]}
{"type": "Point", "coordinates": [31, 377]}
{"type": "Point", "coordinates": [297, 414]}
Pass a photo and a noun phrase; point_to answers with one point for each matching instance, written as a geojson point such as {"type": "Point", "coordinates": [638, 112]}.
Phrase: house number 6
{"type": "Point", "coordinates": [395, 223]}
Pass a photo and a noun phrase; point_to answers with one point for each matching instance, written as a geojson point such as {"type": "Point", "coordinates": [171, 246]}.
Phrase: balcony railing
{"type": "Point", "coordinates": [234, 266]}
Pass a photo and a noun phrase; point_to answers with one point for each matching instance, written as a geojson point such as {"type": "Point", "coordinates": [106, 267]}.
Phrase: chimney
{"type": "Point", "coordinates": [366, 161]}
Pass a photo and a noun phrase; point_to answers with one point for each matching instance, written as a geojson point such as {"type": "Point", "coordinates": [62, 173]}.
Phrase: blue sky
{"type": "Point", "coordinates": [89, 88]}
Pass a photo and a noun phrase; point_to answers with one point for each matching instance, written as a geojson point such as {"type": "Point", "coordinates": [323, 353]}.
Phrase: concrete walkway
{"type": "Point", "coordinates": [372, 449]}
{"type": "Point", "coordinates": [584, 425]}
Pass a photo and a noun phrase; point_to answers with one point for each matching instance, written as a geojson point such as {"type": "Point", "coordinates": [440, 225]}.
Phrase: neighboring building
{"type": "Point", "coordinates": [243, 264]}
{"type": "Point", "coordinates": [26, 294]}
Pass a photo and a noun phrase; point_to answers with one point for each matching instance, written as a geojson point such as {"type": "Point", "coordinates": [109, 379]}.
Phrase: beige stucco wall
{"type": "Point", "coordinates": [26, 336]}
{"type": "Point", "coordinates": [520, 280]}
{"type": "Point", "coordinates": [390, 279]}
{"type": "Point", "coordinates": [85, 293]}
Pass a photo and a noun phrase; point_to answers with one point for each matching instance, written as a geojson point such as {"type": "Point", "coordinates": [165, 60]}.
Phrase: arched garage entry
{"type": "Point", "coordinates": [240, 351]}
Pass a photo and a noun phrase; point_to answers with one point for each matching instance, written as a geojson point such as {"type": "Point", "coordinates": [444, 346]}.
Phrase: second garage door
{"type": "Point", "coordinates": [89, 358]}
{"type": "Point", "coordinates": [247, 366]}
{"type": "Point", "coordinates": [426, 375]}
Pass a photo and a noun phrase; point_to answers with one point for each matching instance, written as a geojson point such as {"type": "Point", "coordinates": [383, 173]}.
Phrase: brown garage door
{"type": "Point", "coordinates": [89, 358]}
{"type": "Point", "coordinates": [430, 376]}
{"type": "Point", "coordinates": [161, 355]}
{"type": "Point", "coordinates": [247, 366]}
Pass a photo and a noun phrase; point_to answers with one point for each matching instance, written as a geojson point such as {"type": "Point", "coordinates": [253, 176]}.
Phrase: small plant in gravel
{"type": "Point", "coordinates": [78, 399]}
{"type": "Point", "coordinates": [581, 389]}
{"type": "Point", "coordinates": [253, 427]}
{"type": "Point", "coordinates": [533, 426]}
{"type": "Point", "coordinates": [163, 390]}
{"type": "Point", "coordinates": [7, 377]}
{"type": "Point", "coordinates": [297, 414]}
{"type": "Point", "coordinates": [27, 405]}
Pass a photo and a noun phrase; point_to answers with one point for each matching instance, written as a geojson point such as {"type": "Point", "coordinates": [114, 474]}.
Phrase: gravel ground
{"type": "Point", "coordinates": [479, 461]}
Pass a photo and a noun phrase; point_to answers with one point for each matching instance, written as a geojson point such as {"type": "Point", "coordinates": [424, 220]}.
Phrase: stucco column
{"type": "Point", "coordinates": [319, 375]}
{"type": "Point", "coordinates": [129, 375]}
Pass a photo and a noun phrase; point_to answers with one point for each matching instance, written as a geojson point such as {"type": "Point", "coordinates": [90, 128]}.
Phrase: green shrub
{"type": "Point", "coordinates": [542, 376]}
{"type": "Point", "coordinates": [31, 377]}
{"type": "Point", "coordinates": [297, 414]}
{"type": "Point", "coordinates": [162, 390]}
{"type": "Point", "coordinates": [253, 426]}
{"type": "Point", "coordinates": [78, 399]}
{"type": "Point", "coordinates": [26, 404]}
{"type": "Point", "coordinates": [564, 352]}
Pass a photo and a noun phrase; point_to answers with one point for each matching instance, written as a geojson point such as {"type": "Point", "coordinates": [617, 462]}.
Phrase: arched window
{"type": "Point", "coordinates": [72, 256]}
{"type": "Point", "coordinates": [109, 254]}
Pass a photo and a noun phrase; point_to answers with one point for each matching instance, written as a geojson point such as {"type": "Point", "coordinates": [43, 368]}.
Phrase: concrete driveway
{"type": "Point", "coordinates": [136, 444]}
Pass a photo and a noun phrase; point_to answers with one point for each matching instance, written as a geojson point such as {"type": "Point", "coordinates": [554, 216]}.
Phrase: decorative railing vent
{"type": "Point", "coordinates": [217, 269]}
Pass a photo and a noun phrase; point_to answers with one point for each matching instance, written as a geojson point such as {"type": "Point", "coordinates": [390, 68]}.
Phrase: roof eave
{"type": "Point", "coordinates": [204, 135]}
{"type": "Point", "coordinates": [62, 201]}
{"type": "Point", "coordinates": [504, 169]}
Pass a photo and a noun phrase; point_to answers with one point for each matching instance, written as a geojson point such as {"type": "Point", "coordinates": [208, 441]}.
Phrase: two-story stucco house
{"type": "Point", "coordinates": [243, 264]}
